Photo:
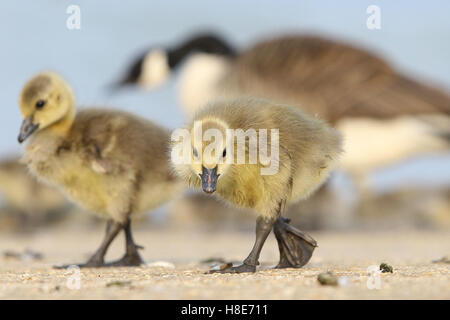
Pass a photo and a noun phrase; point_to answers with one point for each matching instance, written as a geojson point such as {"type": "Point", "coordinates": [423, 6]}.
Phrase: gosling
{"type": "Point", "coordinates": [110, 162]}
{"type": "Point", "coordinates": [308, 151]}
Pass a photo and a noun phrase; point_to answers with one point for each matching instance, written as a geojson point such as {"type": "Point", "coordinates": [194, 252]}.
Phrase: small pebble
{"type": "Point", "coordinates": [222, 266]}
{"type": "Point", "coordinates": [118, 284]}
{"type": "Point", "coordinates": [327, 279]}
{"type": "Point", "coordinates": [161, 264]}
{"type": "Point", "coordinates": [384, 267]}
{"type": "Point", "coordinates": [444, 259]}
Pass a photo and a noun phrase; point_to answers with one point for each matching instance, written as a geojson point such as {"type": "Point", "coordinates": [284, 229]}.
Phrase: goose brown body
{"type": "Point", "coordinates": [384, 115]}
{"type": "Point", "coordinates": [331, 79]}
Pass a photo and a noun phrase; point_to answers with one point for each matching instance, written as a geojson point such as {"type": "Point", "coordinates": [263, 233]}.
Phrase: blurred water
{"type": "Point", "coordinates": [414, 35]}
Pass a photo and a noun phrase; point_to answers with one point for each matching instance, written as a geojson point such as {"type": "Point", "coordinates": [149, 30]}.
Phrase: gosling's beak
{"type": "Point", "coordinates": [209, 179]}
{"type": "Point", "coordinates": [28, 127]}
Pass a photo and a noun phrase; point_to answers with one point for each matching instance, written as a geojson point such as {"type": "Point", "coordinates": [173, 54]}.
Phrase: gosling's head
{"type": "Point", "coordinates": [44, 101]}
{"type": "Point", "coordinates": [210, 159]}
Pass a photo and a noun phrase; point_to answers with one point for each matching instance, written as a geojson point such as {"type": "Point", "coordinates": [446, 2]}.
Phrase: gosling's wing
{"type": "Point", "coordinates": [117, 141]}
{"type": "Point", "coordinates": [98, 156]}
{"type": "Point", "coordinates": [100, 133]}
{"type": "Point", "coordinates": [332, 80]}
{"type": "Point", "coordinates": [101, 165]}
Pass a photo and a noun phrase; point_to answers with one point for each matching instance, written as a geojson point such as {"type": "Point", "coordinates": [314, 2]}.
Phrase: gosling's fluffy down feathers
{"type": "Point", "coordinates": [308, 152]}
{"type": "Point", "coordinates": [110, 162]}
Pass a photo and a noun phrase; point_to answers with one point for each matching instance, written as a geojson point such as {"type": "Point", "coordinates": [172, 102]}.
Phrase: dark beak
{"type": "Point", "coordinates": [28, 127]}
{"type": "Point", "coordinates": [209, 179]}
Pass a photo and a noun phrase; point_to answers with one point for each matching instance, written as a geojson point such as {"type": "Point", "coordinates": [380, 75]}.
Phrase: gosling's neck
{"type": "Point", "coordinates": [62, 127]}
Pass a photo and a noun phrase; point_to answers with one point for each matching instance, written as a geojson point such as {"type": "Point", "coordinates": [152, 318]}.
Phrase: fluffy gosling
{"type": "Point", "coordinates": [110, 162]}
{"type": "Point", "coordinates": [308, 151]}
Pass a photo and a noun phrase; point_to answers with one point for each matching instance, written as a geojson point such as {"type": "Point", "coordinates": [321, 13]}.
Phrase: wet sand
{"type": "Point", "coordinates": [347, 254]}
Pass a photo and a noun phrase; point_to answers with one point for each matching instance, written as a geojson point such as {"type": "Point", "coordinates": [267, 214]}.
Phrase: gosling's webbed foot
{"type": "Point", "coordinates": [134, 260]}
{"type": "Point", "coordinates": [228, 268]}
{"type": "Point", "coordinates": [296, 247]}
{"type": "Point", "coordinates": [131, 259]}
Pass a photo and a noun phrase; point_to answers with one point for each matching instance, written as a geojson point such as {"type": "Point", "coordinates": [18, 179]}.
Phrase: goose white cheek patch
{"type": "Point", "coordinates": [155, 69]}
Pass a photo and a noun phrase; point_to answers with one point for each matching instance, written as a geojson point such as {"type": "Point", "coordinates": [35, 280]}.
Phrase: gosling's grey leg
{"type": "Point", "coordinates": [131, 257]}
{"type": "Point", "coordinates": [97, 260]}
{"type": "Point", "coordinates": [263, 228]}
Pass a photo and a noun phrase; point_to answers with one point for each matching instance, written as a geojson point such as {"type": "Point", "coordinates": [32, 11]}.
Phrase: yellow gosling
{"type": "Point", "coordinates": [308, 150]}
{"type": "Point", "coordinates": [110, 162]}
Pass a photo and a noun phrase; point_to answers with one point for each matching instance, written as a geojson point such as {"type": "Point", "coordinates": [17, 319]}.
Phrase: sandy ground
{"type": "Point", "coordinates": [347, 254]}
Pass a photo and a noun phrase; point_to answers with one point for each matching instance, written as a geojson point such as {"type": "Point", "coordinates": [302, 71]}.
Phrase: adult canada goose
{"type": "Point", "coordinates": [304, 151]}
{"type": "Point", "coordinates": [383, 115]}
{"type": "Point", "coordinates": [28, 201]}
{"type": "Point", "coordinates": [110, 162]}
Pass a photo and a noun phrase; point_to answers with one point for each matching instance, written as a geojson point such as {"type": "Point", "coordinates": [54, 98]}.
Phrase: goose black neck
{"type": "Point", "coordinates": [205, 44]}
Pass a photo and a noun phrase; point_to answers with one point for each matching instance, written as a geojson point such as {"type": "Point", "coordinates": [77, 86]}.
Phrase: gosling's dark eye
{"type": "Point", "coordinates": [224, 153]}
{"type": "Point", "coordinates": [195, 152]}
{"type": "Point", "coordinates": [40, 104]}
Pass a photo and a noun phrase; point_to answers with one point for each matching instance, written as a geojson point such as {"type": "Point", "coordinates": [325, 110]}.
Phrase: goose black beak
{"type": "Point", "coordinates": [28, 127]}
{"type": "Point", "coordinates": [118, 85]}
{"type": "Point", "coordinates": [209, 179]}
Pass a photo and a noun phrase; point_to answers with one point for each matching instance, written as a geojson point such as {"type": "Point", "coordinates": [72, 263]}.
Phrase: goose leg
{"type": "Point", "coordinates": [263, 228]}
{"type": "Point", "coordinates": [296, 247]}
{"type": "Point", "coordinates": [131, 257]}
{"type": "Point", "coordinates": [97, 259]}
